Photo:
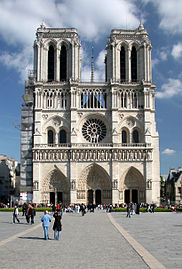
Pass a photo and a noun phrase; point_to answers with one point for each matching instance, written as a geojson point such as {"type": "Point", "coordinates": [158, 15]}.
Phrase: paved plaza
{"type": "Point", "coordinates": [97, 240]}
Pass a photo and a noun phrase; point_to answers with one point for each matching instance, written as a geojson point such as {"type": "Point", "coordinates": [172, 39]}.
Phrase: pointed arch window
{"type": "Point", "coordinates": [63, 63]}
{"type": "Point", "coordinates": [122, 64]}
{"type": "Point", "coordinates": [62, 137]}
{"type": "Point", "coordinates": [50, 136]}
{"type": "Point", "coordinates": [133, 64]}
{"type": "Point", "coordinates": [135, 137]}
{"type": "Point", "coordinates": [124, 137]}
{"type": "Point", "coordinates": [51, 63]}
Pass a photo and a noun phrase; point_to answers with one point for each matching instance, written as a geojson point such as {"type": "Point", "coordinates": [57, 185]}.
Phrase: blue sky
{"type": "Point", "coordinates": [94, 20]}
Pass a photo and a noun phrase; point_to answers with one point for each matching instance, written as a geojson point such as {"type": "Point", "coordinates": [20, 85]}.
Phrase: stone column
{"type": "Point", "coordinates": [128, 74]}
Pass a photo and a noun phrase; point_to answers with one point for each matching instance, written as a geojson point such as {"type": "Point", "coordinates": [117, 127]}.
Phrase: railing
{"type": "Point", "coordinates": [93, 145]}
{"type": "Point", "coordinates": [92, 154]}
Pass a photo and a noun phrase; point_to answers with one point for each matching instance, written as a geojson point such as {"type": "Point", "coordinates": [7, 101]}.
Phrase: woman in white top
{"type": "Point", "coordinates": [15, 214]}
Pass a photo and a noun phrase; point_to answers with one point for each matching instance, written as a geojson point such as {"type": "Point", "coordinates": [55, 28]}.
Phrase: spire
{"type": "Point", "coordinates": [141, 27]}
{"type": "Point", "coordinates": [92, 66]}
{"type": "Point", "coordinates": [43, 25]}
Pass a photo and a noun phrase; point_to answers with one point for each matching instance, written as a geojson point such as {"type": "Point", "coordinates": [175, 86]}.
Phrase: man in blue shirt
{"type": "Point", "coordinates": [46, 219]}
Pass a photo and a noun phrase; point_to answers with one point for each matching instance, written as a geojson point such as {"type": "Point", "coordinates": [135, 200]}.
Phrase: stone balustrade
{"type": "Point", "coordinates": [80, 155]}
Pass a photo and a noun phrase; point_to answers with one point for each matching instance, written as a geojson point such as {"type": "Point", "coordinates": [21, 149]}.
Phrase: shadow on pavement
{"type": "Point", "coordinates": [31, 237]}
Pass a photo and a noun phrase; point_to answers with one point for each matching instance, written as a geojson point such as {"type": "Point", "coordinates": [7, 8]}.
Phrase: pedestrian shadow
{"type": "Point", "coordinates": [13, 223]}
{"type": "Point", "coordinates": [177, 225]}
{"type": "Point", "coordinates": [31, 237]}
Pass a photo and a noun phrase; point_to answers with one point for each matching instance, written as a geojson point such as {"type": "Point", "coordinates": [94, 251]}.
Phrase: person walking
{"type": "Point", "coordinates": [57, 227]}
{"type": "Point", "coordinates": [24, 209]}
{"type": "Point", "coordinates": [128, 211]}
{"type": "Point", "coordinates": [46, 219]}
{"type": "Point", "coordinates": [15, 214]}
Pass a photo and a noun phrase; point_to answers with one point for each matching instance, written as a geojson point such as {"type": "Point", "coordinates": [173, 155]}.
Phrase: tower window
{"type": "Point", "coordinates": [124, 137]}
{"type": "Point", "coordinates": [62, 136]}
{"type": "Point", "coordinates": [50, 137]}
{"type": "Point", "coordinates": [133, 64]}
{"type": "Point", "coordinates": [135, 136]}
{"type": "Point", "coordinates": [63, 60]}
{"type": "Point", "coordinates": [51, 63]}
{"type": "Point", "coordinates": [122, 64]}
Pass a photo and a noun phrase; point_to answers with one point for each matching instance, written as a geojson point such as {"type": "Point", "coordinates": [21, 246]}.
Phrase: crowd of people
{"type": "Point", "coordinates": [29, 211]}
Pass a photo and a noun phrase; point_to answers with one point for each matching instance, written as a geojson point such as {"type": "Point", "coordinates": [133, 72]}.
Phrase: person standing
{"type": "Point", "coordinates": [15, 214]}
{"type": "Point", "coordinates": [57, 227]}
{"type": "Point", "coordinates": [46, 219]}
{"type": "Point", "coordinates": [128, 211]}
{"type": "Point", "coordinates": [32, 213]}
{"type": "Point", "coordinates": [24, 209]}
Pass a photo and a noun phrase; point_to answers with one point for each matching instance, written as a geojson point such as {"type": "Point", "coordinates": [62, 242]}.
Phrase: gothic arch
{"type": "Point", "coordinates": [132, 185]}
{"type": "Point", "coordinates": [64, 42]}
{"type": "Point", "coordinates": [94, 176]}
{"type": "Point", "coordinates": [130, 122]}
{"type": "Point", "coordinates": [56, 181]}
{"type": "Point", "coordinates": [56, 122]}
{"type": "Point", "coordinates": [133, 178]}
{"type": "Point", "coordinates": [94, 179]}
{"type": "Point", "coordinates": [50, 42]}
{"type": "Point", "coordinates": [50, 135]}
{"type": "Point", "coordinates": [125, 135]}
{"type": "Point", "coordinates": [124, 44]}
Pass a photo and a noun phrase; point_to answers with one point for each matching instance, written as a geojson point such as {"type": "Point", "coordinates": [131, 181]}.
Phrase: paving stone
{"type": "Point", "coordinates": [159, 233]}
{"type": "Point", "coordinates": [86, 242]}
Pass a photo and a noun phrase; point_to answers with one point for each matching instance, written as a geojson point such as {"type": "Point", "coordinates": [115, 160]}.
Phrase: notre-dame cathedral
{"type": "Point", "coordinates": [90, 142]}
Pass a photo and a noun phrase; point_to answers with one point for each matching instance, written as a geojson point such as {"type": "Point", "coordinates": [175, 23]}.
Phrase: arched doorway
{"type": "Point", "coordinates": [98, 197]}
{"type": "Point", "coordinates": [133, 186]}
{"type": "Point", "coordinates": [90, 197]}
{"type": "Point", "coordinates": [94, 186]}
{"type": "Point", "coordinates": [55, 188]}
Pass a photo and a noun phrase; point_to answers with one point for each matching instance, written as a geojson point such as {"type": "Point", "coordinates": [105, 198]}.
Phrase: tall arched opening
{"type": "Point", "coordinates": [132, 185]}
{"type": "Point", "coordinates": [55, 188]}
{"type": "Point", "coordinates": [94, 186]}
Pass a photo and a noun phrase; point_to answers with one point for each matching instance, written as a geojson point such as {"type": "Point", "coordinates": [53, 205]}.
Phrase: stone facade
{"type": "Point", "coordinates": [9, 179]}
{"type": "Point", "coordinates": [93, 142]}
{"type": "Point", "coordinates": [174, 187]}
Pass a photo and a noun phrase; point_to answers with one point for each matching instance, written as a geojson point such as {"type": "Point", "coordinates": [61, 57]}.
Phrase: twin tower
{"type": "Point", "coordinates": [90, 142]}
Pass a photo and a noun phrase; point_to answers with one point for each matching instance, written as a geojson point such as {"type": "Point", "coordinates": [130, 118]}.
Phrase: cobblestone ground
{"type": "Point", "coordinates": [86, 242]}
{"type": "Point", "coordinates": [91, 242]}
{"type": "Point", "coordinates": [159, 233]}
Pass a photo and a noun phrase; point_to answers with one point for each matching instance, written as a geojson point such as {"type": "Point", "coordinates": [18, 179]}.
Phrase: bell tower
{"type": "Point", "coordinates": [129, 56]}
{"type": "Point", "coordinates": [57, 54]}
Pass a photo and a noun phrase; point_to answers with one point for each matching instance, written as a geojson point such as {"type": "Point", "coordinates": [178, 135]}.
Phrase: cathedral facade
{"type": "Point", "coordinates": [90, 142]}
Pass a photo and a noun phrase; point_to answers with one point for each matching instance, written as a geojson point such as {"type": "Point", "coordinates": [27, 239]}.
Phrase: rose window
{"type": "Point", "coordinates": [94, 130]}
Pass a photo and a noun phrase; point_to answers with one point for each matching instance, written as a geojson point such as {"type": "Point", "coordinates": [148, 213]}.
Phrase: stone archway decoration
{"type": "Point", "coordinates": [93, 175]}
{"type": "Point", "coordinates": [95, 178]}
{"type": "Point", "coordinates": [133, 181]}
{"type": "Point", "coordinates": [55, 180]}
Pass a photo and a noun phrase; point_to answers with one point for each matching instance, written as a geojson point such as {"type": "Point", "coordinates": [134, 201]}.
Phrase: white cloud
{"type": "Point", "coordinates": [100, 66]}
{"type": "Point", "coordinates": [170, 14]}
{"type": "Point", "coordinates": [21, 61]}
{"type": "Point", "coordinates": [155, 62]}
{"type": "Point", "coordinates": [163, 54]}
{"type": "Point", "coordinates": [19, 20]}
{"type": "Point", "coordinates": [168, 151]}
{"type": "Point", "coordinates": [170, 89]}
{"type": "Point", "coordinates": [95, 18]}
{"type": "Point", "coordinates": [177, 51]}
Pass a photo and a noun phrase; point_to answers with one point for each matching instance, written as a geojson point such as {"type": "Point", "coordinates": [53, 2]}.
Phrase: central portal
{"type": "Point", "coordinates": [98, 197]}
{"type": "Point", "coordinates": [94, 186]}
